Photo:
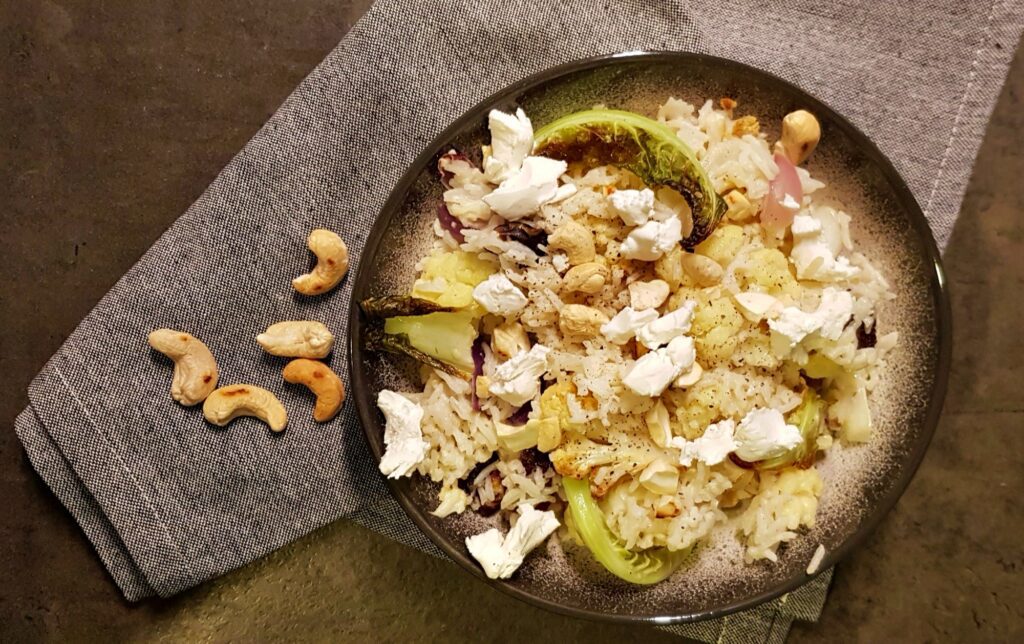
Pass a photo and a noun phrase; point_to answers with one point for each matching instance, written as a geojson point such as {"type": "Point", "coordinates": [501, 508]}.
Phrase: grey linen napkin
{"type": "Point", "coordinates": [168, 502]}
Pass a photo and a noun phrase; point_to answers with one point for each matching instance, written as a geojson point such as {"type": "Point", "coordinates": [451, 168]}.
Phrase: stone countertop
{"type": "Point", "coordinates": [94, 166]}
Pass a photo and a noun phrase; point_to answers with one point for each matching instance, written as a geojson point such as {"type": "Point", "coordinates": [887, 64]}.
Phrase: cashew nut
{"type": "Point", "coordinates": [800, 135]}
{"type": "Point", "coordinates": [228, 403]}
{"type": "Point", "coordinates": [297, 339]}
{"type": "Point", "coordinates": [648, 295]}
{"type": "Point", "coordinates": [331, 263]}
{"type": "Point", "coordinates": [690, 378]}
{"type": "Point", "coordinates": [739, 206]}
{"type": "Point", "coordinates": [586, 278]}
{"type": "Point", "coordinates": [324, 383]}
{"type": "Point", "coordinates": [576, 240]}
{"type": "Point", "coordinates": [195, 370]}
{"type": "Point", "coordinates": [581, 320]}
{"type": "Point", "coordinates": [509, 339]}
{"type": "Point", "coordinates": [704, 270]}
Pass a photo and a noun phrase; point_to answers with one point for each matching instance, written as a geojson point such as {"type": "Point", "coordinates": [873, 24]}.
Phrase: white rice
{"type": "Point", "coordinates": [765, 508]}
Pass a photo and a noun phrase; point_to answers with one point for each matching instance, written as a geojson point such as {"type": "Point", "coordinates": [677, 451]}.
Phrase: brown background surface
{"type": "Point", "coordinates": [113, 119]}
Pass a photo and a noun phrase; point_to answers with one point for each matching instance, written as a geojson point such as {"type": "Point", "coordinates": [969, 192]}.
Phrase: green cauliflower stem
{"type": "Point", "coordinates": [643, 146]}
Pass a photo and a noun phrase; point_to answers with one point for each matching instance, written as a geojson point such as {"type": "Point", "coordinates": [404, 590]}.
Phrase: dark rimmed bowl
{"type": "Point", "coordinates": [861, 484]}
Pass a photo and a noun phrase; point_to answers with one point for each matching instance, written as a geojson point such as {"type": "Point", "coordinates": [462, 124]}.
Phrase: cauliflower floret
{"type": "Point", "coordinates": [605, 463]}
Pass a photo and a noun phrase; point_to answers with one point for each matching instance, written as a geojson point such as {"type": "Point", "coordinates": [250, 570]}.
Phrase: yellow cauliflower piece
{"type": "Point", "coordinates": [769, 269]}
{"type": "Point", "coordinates": [722, 245]}
{"type": "Point", "coordinates": [449, 278]}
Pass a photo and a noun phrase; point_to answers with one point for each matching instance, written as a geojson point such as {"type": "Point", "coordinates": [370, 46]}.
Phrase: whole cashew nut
{"type": "Point", "coordinates": [586, 278]}
{"type": "Point", "coordinates": [331, 265]}
{"type": "Point", "coordinates": [228, 403]}
{"type": "Point", "coordinates": [297, 339]}
{"type": "Point", "coordinates": [195, 370]}
{"type": "Point", "coordinates": [581, 320]}
{"type": "Point", "coordinates": [800, 134]}
{"type": "Point", "coordinates": [576, 240]}
{"type": "Point", "coordinates": [324, 383]}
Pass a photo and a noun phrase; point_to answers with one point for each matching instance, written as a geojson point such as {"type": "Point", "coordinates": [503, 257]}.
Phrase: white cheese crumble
{"type": "Point", "coordinates": [817, 239]}
{"type": "Point", "coordinates": [403, 438]}
{"type": "Point", "coordinates": [517, 380]}
{"type": "Point", "coordinates": [623, 327]}
{"type": "Point", "coordinates": [763, 434]}
{"type": "Point", "coordinates": [793, 325]}
{"type": "Point", "coordinates": [524, 192]}
{"type": "Point", "coordinates": [669, 326]}
{"type": "Point", "coordinates": [654, 371]}
{"type": "Point", "coordinates": [511, 141]}
{"type": "Point", "coordinates": [713, 447]}
{"type": "Point", "coordinates": [497, 294]}
{"type": "Point", "coordinates": [652, 240]}
{"type": "Point", "coordinates": [635, 207]}
{"type": "Point", "coordinates": [501, 556]}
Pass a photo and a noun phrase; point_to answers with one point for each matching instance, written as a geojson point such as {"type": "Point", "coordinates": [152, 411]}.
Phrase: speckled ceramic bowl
{"type": "Point", "coordinates": [861, 484]}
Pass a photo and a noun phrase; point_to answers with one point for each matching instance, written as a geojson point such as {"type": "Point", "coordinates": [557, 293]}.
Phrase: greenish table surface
{"type": "Point", "coordinates": [113, 119]}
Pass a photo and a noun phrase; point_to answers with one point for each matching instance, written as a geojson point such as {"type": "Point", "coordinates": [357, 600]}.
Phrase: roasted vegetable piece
{"type": "Point", "coordinates": [378, 340]}
{"type": "Point", "coordinates": [808, 417]}
{"type": "Point", "coordinates": [392, 305]}
{"type": "Point", "coordinates": [641, 145]}
{"type": "Point", "coordinates": [643, 567]}
{"type": "Point", "coordinates": [446, 336]}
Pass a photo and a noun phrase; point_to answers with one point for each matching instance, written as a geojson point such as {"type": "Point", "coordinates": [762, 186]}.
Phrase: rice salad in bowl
{"type": "Point", "coordinates": [633, 331]}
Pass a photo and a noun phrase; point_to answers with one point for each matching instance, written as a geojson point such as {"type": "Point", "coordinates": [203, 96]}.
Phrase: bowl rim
{"type": "Point", "coordinates": [906, 201]}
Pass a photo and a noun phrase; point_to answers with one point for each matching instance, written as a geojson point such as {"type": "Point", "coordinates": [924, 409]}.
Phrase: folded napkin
{"type": "Point", "coordinates": [169, 502]}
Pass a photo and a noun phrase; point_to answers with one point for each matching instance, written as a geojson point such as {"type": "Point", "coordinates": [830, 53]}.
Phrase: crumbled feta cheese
{"type": "Point", "coordinates": [763, 434]}
{"type": "Point", "coordinates": [403, 438]}
{"type": "Point", "coordinates": [805, 225]}
{"type": "Point", "coordinates": [648, 295]}
{"type": "Point", "coordinates": [671, 325]}
{"type": "Point", "coordinates": [453, 501]}
{"type": "Point", "coordinates": [834, 312]}
{"type": "Point", "coordinates": [652, 240]}
{"type": "Point", "coordinates": [517, 381]}
{"type": "Point", "coordinates": [623, 327]}
{"type": "Point", "coordinates": [501, 556]}
{"type": "Point", "coordinates": [816, 240]}
{"type": "Point", "coordinates": [653, 372]}
{"type": "Point", "coordinates": [683, 352]}
{"type": "Point", "coordinates": [711, 448]}
{"type": "Point", "coordinates": [497, 294]}
{"type": "Point", "coordinates": [757, 306]}
{"type": "Point", "coordinates": [523, 193]}
{"type": "Point", "coordinates": [635, 207]}
{"type": "Point", "coordinates": [793, 325]}
{"type": "Point", "coordinates": [511, 141]}
{"type": "Point", "coordinates": [660, 477]}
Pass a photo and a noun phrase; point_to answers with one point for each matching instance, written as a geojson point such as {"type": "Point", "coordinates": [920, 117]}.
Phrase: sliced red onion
{"type": "Point", "coordinates": [478, 369]}
{"type": "Point", "coordinates": [784, 196]}
{"type": "Point", "coordinates": [520, 416]}
{"type": "Point", "coordinates": [450, 223]}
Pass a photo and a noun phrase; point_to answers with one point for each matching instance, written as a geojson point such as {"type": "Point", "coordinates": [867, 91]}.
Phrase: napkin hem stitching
{"type": "Point", "coordinates": [131, 475]}
{"type": "Point", "coordinates": [960, 108]}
